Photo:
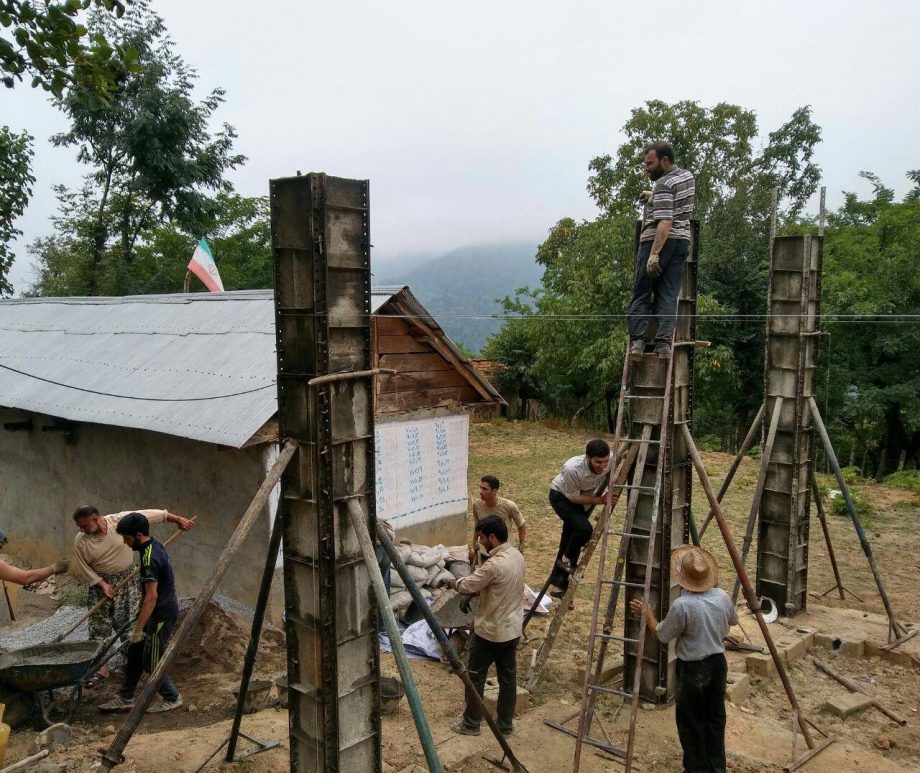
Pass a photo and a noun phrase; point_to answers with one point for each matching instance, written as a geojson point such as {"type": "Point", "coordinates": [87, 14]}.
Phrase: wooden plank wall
{"type": "Point", "coordinates": [425, 378]}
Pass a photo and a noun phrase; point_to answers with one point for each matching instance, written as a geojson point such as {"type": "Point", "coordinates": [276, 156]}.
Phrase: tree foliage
{"type": "Point", "coordinates": [575, 319]}
{"type": "Point", "coordinates": [873, 358]}
{"type": "Point", "coordinates": [154, 162]}
{"type": "Point", "coordinates": [240, 239]}
{"type": "Point", "coordinates": [48, 43]}
{"type": "Point", "coordinates": [15, 190]}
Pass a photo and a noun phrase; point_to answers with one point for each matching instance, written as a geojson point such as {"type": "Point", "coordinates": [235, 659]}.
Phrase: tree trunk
{"type": "Point", "coordinates": [865, 460]}
{"type": "Point", "coordinates": [882, 461]}
{"type": "Point", "coordinates": [611, 419]}
{"type": "Point", "coordinates": [852, 454]}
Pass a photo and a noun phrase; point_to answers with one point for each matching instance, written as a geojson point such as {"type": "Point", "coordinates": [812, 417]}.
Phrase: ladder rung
{"type": "Point", "coordinates": [649, 489]}
{"type": "Point", "coordinates": [611, 637]}
{"type": "Point", "coordinates": [640, 440]}
{"type": "Point", "coordinates": [624, 583]}
{"type": "Point", "coordinates": [643, 397]}
{"type": "Point", "coordinates": [630, 534]}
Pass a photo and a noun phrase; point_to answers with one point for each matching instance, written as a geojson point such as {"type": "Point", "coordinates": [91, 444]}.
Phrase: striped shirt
{"type": "Point", "coordinates": [672, 199]}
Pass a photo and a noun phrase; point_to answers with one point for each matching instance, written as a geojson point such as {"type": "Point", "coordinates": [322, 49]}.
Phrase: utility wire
{"type": "Point", "coordinates": [134, 397]}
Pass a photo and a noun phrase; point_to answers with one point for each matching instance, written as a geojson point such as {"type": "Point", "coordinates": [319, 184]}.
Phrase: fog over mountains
{"type": "Point", "coordinates": [464, 283]}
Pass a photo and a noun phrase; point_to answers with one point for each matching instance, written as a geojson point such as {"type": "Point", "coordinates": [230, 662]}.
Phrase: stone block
{"type": "Point", "coordinates": [896, 657]}
{"type": "Point", "coordinates": [846, 704]}
{"type": "Point", "coordinates": [759, 664]}
{"type": "Point", "coordinates": [490, 697]}
{"type": "Point", "coordinates": [848, 648]}
{"type": "Point", "coordinates": [795, 645]}
{"type": "Point", "coordinates": [738, 688]}
{"type": "Point", "coordinates": [613, 667]}
{"type": "Point", "coordinates": [57, 736]}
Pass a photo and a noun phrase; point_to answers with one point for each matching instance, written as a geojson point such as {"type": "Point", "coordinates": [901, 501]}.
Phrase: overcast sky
{"type": "Point", "coordinates": [475, 121]}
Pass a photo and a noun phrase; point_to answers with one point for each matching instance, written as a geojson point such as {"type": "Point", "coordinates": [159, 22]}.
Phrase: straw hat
{"type": "Point", "coordinates": [694, 568]}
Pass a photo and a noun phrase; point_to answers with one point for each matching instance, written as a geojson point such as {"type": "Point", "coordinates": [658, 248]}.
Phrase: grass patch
{"type": "Point", "coordinates": [905, 479]}
{"type": "Point", "coordinates": [864, 510]}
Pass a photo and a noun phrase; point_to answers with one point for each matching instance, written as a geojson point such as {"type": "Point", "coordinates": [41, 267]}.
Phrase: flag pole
{"type": "Point", "coordinates": [188, 279]}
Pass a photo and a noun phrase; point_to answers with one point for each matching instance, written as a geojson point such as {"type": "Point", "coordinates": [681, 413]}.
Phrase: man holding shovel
{"type": "Point", "coordinates": [106, 561]}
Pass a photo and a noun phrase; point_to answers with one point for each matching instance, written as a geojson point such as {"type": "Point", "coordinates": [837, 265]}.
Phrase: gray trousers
{"type": "Point", "coordinates": [656, 298]}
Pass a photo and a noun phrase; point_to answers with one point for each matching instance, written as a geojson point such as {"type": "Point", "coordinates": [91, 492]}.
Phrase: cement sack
{"type": "Point", "coordinates": [418, 574]}
{"type": "Point", "coordinates": [442, 579]}
{"type": "Point", "coordinates": [404, 550]}
{"type": "Point", "coordinates": [530, 597]}
{"type": "Point", "coordinates": [425, 556]}
{"type": "Point", "coordinates": [400, 601]}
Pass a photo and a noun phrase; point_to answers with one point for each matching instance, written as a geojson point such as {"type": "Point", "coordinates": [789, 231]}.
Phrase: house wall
{"type": "Point", "coordinates": [44, 477]}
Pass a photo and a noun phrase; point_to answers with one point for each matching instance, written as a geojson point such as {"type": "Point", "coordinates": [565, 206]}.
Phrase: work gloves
{"type": "Point", "coordinates": [60, 566]}
{"type": "Point", "coordinates": [653, 267]}
{"type": "Point", "coordinates": [137, 635]}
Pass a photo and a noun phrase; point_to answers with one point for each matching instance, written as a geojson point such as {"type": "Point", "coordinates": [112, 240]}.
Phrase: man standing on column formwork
{"type": "Point", "coordinates": [699, 620]}
{"type": "Point", "coordinates": [577, 487]}
{"type": "Point", "coordinates": [104, 558]}
{"type": "Point", "coordinates": [157, 618]}
{"type": "Point", "coordinates": [664, 244]}
{"type": "Point", "coordinates": [497, 628]}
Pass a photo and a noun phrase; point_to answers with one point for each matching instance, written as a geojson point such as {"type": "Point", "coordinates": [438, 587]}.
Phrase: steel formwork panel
{"type": "Point", "coordinates": [658, 670]}
{"type": "Point", "coordinates": [321, 243]}
{"type": "Point", "coordinates": [793, 309]}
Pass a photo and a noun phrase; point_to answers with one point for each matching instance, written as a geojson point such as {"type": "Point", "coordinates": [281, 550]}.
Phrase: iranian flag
{"type": "Point", "coordinates": [203, 266]}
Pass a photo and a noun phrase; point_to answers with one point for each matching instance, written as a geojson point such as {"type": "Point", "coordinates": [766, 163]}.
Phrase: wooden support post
{"type": "Point", "coordinates": [822, 518]}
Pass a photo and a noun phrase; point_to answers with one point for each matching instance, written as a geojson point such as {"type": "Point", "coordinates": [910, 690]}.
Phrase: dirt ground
{"type": "Point", "coordinates": [525, 457]}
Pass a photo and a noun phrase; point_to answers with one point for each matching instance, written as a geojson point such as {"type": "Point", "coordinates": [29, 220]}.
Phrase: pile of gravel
{"type": "Point", "coordinates": [48, 629]}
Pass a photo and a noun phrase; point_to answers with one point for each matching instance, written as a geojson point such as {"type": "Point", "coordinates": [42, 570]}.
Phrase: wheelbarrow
{"type": "Point", "coordinates": [27, 673]}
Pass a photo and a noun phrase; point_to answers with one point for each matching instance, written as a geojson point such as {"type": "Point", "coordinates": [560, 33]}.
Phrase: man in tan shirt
{"type": "Point", "coordinates": [106, 560]}
{"type": "Point", "coordinates": [490, 503]}
{"type": "Point", "coordinates": [497, 628]}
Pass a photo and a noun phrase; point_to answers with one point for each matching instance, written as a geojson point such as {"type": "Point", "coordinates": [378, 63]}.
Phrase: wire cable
{"type": "Point", "coordinates": [134, 397]}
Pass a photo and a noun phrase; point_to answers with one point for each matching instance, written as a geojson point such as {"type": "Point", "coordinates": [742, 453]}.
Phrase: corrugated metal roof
{"type": "Point", "coordinates": [200, 366]}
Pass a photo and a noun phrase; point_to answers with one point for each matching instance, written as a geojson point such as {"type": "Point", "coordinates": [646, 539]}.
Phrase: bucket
{"type": "Point", "coordinates": [256, 697]}
{"type": "Point", "coordinates": [391, 693]}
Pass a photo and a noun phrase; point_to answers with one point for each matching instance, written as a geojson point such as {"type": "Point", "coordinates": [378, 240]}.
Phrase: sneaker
{"type": "Point", "coordinates": [506, 732]}
{"type": "Point", "coordinates": [637, 349]}
{"type": "Point", "coordinates": [164, 705]}
{"type": "Point", "coordinates": [662, 350]}
{"type": "Point", "coordinates": [117, 704]}
{"type": "Point", "coordinates": [461, 728]}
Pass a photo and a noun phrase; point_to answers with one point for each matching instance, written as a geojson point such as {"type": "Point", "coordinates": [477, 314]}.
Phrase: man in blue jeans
{"type": "Point", "coordinates": [664, 244]}
{"type": "Point", "coordinates": [156, 621]}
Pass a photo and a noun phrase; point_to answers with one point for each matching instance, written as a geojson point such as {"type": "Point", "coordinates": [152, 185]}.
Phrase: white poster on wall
{"type": "Point", "coordinates": [421, 469]}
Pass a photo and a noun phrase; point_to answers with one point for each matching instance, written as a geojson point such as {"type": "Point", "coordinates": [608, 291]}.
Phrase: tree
{"type": "Point", "coordinates": [153, 159]}
{"type": "Point", "coordinates": [870, 278]}
{"type": "Point", "coordinates": [575, 321]}
{"type": "Point", "coordinates": [15, 190]}
{"type": "Point", "coordinates": [240, 239]}
{"type": "Point", "coordinates": [47, 43]}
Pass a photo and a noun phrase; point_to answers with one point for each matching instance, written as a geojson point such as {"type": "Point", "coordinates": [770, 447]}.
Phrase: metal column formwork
{"type": "Point", "coordinates": [321, 244]}
{"type": "Point", "coordinates": [793, 308]}
{"type": "Point", "coordinates": [658, 677]}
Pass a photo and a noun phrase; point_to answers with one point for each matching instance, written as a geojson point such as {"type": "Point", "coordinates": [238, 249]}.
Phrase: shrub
{"type": "Point", "coordinates": [863, 508]}
{"type": "Point", "coordinates": [711, 443]}
{"type": "Point", "coordinates": [852, 475]}
{"type": "Point", "coordinates": [755, 452]}
{"type": "Point", "coordinates": [906, 479]}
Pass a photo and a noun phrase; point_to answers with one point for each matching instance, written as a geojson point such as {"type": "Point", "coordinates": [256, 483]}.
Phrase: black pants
{"type": "Point", "coordinates": [144, 656]}
{"type": "Point", "coordinates": [483, 653]}
{"type": "Point", "coordinates": [700, 713]}
{"type": "Point", "coordinates": [576, 532]}
{"type": "Point", "coordinates": [665, 288]}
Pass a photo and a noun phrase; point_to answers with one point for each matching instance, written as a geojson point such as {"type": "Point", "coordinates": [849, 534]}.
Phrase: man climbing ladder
{"type": "Point", "coordinates": [664, 245]}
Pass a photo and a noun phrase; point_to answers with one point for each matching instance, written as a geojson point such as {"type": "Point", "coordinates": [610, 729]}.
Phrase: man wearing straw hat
{"type": "Point", "coordinates": [697, 623]}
